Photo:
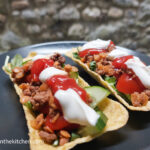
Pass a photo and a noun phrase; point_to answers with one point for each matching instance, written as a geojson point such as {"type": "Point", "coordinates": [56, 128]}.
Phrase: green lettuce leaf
{"type": "Point", "coordinates": [112, 82]}
{"type": "Point", "coordinates": [93, 65]}
{"type": "Point", "coordinates": [16, 61]}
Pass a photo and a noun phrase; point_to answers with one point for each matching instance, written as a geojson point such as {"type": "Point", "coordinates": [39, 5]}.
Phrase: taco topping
{"type": "Point", "coordinates": [50, 89]}
{"type": "Point", "coordinates": [130, 73]}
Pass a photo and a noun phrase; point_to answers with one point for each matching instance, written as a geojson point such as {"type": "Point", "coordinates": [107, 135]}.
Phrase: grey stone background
{"type": "Point", "coordinates": [25, 22]}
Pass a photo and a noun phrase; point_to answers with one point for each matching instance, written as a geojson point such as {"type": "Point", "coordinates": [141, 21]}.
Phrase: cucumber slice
{"type": "Point", "coordinates": [97, 93]}
{"type": "Point", "coordinates": [92, 130]}
{"type": "Point", "coordinates": [101, 123]}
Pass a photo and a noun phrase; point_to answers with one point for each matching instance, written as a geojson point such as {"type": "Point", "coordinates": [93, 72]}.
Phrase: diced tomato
{"type": "Point", "coordinates": [59, 124]}
{"type": "Point", "coordinates": [111, 44]}
{"type": "Point", "coordinates": [38, 66]}
{"type": "Point", "coordinates": [91, 51]}
{"type": "Point", "coordinates": [64, 82]}
{"type": "Point", "coordinates": [28, 78]}
{"type": "Point", "coordinates": [57, 104]}
{"type": "Point", "coordinates": [128, 85]}
{"type": "Point", "coordinates": [119, 63]}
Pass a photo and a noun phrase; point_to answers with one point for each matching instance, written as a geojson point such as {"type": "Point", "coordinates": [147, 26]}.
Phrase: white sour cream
{"type": "Point", "coordinates": [99, 44]}
{"type": "Point", "coordinates": [38, 57]}
{"type": "Point", "coordinates": [49, 72]}
{"type": "Point", "coordinates": [117, 53]}
{"type": "Point", "coordinates": [141, 70]}
{"type": "Point", "coordinates": [74, 109]}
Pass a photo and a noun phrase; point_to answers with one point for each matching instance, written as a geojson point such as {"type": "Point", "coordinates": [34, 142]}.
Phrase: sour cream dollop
{"type": "Point", "coordinates": [140, 69]}
{"type": "Point", "coordinates": [49, 72]}
{"type": "Point", "coordinates": [117, 53]}
{"type": "Point", "coordinates": [74, 109]}
{"type": "Point", "coordinates": [99, 44]}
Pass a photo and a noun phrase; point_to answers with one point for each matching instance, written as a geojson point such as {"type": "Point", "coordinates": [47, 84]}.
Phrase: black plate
{"type": "Point", "coordinates": [134, 136]}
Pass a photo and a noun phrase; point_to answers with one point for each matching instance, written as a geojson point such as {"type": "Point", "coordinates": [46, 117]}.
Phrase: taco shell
{"type": "Point", "coordinates": [116, 113]}
{"type": "Point", "coordinates": [105, 84]}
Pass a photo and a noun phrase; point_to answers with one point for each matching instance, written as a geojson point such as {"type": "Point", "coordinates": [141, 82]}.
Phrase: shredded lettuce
{"type": "Point", "coordinates": [23, 63]}
{"type": "Point", "coordinates": [74, 75]}
{"type": "Point", "coordinates": [28, 105]}
{"type": "Point", "coordinates": [93, 65]}
{"type": "Point", "coordinates": [63, 65]}
{"type": "Point", "coordinates": [7, 68]}
{"type": "Point", "coordinates": [112, 82]}
{"type": "Point", "coordinates": [76, 55]}
{"type": "Point", "coordinates": [16, 61]}
{"type": "Point", "coordinates": [74, 136]}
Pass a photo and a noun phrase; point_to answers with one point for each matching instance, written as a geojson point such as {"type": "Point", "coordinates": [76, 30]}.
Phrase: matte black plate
{"type": "Point", "coordinates": [134, 136]}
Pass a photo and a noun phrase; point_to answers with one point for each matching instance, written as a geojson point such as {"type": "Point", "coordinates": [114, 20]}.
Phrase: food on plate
{"type": "Point", "coordinates": [125, 75]}
{"type": "Point", "coordinates": [61, 109]}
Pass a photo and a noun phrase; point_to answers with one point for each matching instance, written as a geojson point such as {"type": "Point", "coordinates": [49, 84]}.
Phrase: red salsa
{"type": "Point", "coordinates": [38, 66]}
{"type": "Point", "coordinates": [126, 83]}
{"type": "Point", "coordinates": [92, 51]}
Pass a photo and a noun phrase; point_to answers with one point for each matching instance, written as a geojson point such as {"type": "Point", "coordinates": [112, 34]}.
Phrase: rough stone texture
{"type": "Point", "coordinates": [11, 40]}
{"type": "Point", "coordinates": [115, 12]}
{"type": "Point", "coordinates": [91, 13]}
{"type": "Point", "coordinates": [28, 14]}
{"type": "Point", "coordinates": [2, 19]}
{"type": "Point", "coordinates": [77, 30]}
{"type": "Point", "coordinates": [24, 22]}
{"type": "Point", "coordinates": [33, 29]}
{"type": "Point", "coordinates": [68, 13]}
{"type": "Point", "coordinates": [127, 3]}
{"type": "Point", "coordinates": [19, 5]}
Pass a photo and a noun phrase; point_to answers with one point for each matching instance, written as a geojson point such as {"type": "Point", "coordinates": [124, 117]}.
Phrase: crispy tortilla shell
{"type": "Point", "coordinates": [105, 84]}
{"type": "Point", "coordinates": [116, 113]}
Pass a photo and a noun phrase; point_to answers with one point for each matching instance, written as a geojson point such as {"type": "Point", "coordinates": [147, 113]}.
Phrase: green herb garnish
{"type": "Point", "coordinates": [93, 65]}
{"type": "Point", "coordinates": [74, 75]}
{"type": "Point", "coordinates": [28, 104]}
{"type": "Point", "coordinates": [23, 63]}
{"type": "Point", "coordinates": [16, 61]}
{"type": "Point", "coordinates": [63, 65]}
{"type": "Point", "coordinates": [112, 82]}
{"type": "Point", "coordinates": [76, 55]}
{"type": "Point", "coordinates": [74, 136]}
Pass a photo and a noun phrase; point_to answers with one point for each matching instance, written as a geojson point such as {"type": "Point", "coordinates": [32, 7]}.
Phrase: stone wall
{"type": "Point", "coordinates": [24, 22]}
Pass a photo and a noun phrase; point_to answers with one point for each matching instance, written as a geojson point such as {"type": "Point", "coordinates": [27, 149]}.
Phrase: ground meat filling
{"type": "Point", "coordinates": [40, 95]}
{"type": "Point", "coordinates": [140, 99]}
{"type": "Point", "coordinates": [103, 64]}
{"type": "Point", "coordinates": [47, 137]}
{"type": "Point", "coordinates": [104, 67]}
{"type": "Point", "coordinates": [19, 73]}
{"type": "Point", "coordinates": [58, 59]}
